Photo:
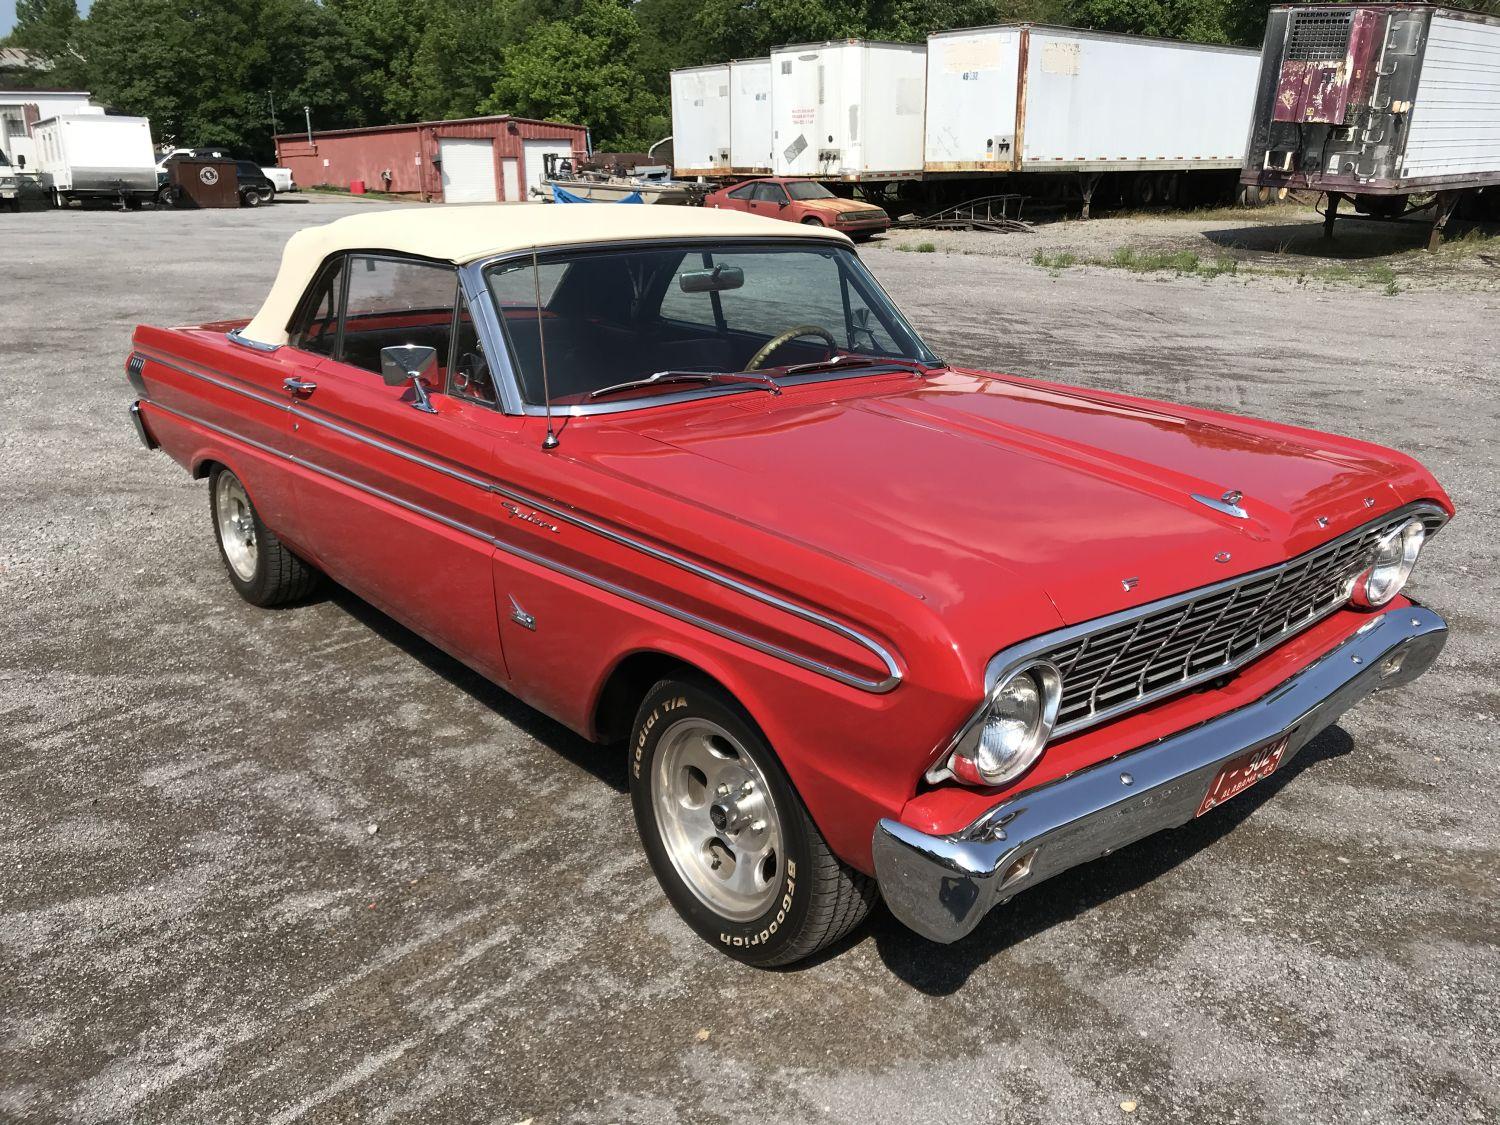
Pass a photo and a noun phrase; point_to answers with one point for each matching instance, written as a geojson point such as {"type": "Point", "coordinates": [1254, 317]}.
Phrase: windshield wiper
{"type": "Point", "coordinates": [839, 361]}
{"type": "Point", "coordinates": [753, 378]}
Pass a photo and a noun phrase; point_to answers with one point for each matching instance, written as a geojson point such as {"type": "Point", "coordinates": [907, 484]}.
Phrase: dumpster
{"type": "Point", "coordinates": [205, 183]}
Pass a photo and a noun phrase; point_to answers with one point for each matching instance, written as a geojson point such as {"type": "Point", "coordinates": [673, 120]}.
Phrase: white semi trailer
{"type": "Point", "coordinates": [93, 156]}
{"type": "Point", "coordinates": [1024, 100]}
{"type": "Point", "coordinates": [849, 110]}
{"type": "Point", "coordinates": [750, 127]}
{"type": "Point", "coordinates": [700, 120]}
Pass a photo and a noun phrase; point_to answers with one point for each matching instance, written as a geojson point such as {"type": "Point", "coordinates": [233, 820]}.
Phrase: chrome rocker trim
{"type": "Point", "coordinates": [941, 886]}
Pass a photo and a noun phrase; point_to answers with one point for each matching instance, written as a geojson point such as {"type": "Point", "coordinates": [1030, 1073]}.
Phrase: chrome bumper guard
{"type": "Point", "coordinates": [140, 427]}
{"type": "Point", "coordinates": [941, 886]}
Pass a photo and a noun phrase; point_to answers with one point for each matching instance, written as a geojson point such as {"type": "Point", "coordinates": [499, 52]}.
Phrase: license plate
{"type": "Point", "coordinates": [1243, 771]}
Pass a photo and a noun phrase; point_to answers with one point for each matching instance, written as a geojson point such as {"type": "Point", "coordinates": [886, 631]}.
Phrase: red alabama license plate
{"type": "Point", "coordinates": [1243, 771]}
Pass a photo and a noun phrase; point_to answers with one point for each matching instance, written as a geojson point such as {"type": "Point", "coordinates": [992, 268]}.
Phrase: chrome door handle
{"type": "Point", "coordinates": [300, 387]}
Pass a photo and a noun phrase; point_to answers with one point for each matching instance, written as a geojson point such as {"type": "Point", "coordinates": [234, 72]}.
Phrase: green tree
{"type": "Point", "coordinates": [586, 70]}
{"type": "Point", "coordinates": [384, 37]}
{"type": "Point", "coordinates": [458, 58]}
{"type": "Point", "coordinates": [49, 29]}
{"type": "Point", "coordinates": [206, 74]}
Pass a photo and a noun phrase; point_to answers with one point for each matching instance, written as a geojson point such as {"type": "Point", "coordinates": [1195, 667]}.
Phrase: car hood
{"type": "Point", "coordinates": [963, 486]}
{"type": "Point", "coordinates": [837, 206]}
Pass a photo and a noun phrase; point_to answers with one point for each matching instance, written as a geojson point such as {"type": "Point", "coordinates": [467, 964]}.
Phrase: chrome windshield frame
{"type": "Point", "coordinates": [508, 379]}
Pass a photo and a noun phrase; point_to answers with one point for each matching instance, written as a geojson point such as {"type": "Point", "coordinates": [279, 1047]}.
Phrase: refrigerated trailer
{"type": "Point", "coordinates": [1377, 103]}
{"type": "Point", "coordinates": [849, 110]}
{"type": "Point", "coordinates": [94, 156]}
{"type": "Point", "coordinates": [1029, 98]}
{"type": "Point", "coordinates": [700, 121]}
{"type": "Point", "coordinates": [750, 125]}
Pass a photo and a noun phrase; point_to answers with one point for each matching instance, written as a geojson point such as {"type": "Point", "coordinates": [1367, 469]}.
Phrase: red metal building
{"type": "Point", "coordinates": [473, 160]}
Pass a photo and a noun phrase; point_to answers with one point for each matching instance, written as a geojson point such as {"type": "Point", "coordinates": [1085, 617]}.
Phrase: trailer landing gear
{"type": "Point", "coordinates": [1446, 202]}
{"type": "Point", "coordinates": [1087, 182]}
{"type": "Point", "coordinates": [1331, 213]}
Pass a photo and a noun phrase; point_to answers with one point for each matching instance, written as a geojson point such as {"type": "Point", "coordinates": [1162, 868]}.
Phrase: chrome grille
{"type": "Point", "coordinates": [1126, 663]}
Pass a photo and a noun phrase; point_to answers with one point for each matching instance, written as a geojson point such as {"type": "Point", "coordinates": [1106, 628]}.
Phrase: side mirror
{"type": "Point", "coordinates": [413, 363]}
{"type": "Point", "coordinates": [21, 163]}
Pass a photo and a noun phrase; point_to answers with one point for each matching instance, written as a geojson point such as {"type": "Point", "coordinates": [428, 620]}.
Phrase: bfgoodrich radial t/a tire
{"type": "Point", "coordinates": [263, 571]}
{"type": "Point", "coordinates": [727, 836]}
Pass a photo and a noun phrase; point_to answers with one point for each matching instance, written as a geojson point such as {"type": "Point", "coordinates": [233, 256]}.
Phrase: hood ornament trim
{"type": "Point", "coordinates": [1228, 504]}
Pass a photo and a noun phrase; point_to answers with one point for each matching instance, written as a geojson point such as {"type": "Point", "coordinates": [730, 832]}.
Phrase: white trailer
{"type": "Point", "coordinates": [700, 121]}
{"type": "Point", "coordinates": [83, 156]}
{"type": "Point", "coordinates": [1032, 98]}
{"type": "Point", "coordinates": [750, 125]}
{"type": "Point", "coordinates": [848, 110]}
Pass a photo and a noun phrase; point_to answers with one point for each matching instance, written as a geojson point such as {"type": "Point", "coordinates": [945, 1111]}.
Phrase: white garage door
{"type": "Point", "coordinates": [468, 170]}
{"type": "Point", "coordinates": [535, 165]}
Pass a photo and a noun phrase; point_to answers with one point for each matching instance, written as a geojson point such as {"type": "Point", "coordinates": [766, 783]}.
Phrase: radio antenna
{"type": "Point", "coordinates": [550, 441]}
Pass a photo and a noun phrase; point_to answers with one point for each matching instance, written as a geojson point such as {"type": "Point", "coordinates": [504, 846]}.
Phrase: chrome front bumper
{"type": "Point", "coordinates": [941, 886]}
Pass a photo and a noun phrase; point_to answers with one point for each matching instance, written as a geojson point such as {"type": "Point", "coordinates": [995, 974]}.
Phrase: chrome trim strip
{"type": "Point", "coordinates": [1007, 660]}
{"type": "Point", "coordinates": [941, 886]}
{"type": "Point", "coordinates": [234, 337]}
{"type": "Point", "coordinates": [892, 679]}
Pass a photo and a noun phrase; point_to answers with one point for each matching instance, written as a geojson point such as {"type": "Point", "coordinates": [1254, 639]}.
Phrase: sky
{"type": "Point", "coordinates": [8, 13]}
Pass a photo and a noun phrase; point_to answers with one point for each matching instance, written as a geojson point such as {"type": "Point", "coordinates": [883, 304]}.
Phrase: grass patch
{"type": "Point", "coordinates": [1059, 261]}
{"type": "Point", "coordinates": [917, 247]}
{"type": "Point", "coordinates": [329, 189]}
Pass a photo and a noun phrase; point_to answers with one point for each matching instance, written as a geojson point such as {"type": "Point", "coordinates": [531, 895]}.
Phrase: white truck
{"type": "Point", "coordinates": [849, 110]}
{"type": "Point", "coordinates": [10, 184]}
{"type": "Point", "coordinates": [95, 156]}
{"type": "Point", "coordinates": [1147, 113]}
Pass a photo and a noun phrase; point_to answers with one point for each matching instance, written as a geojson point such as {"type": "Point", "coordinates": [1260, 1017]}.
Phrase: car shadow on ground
{"type": "Point", "coordinates": [939, 970]}
{"type": "Point", "coordinates": [599, 761]}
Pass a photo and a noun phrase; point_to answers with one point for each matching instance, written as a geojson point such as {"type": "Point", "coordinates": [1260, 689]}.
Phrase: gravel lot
{"type": "Point", "coordinates": [196, 924]}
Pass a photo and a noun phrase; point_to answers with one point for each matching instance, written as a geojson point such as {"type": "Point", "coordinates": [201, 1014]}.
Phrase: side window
{"type": "Point", "coordinates": [396, 301]}
{"type": "Point", "coordinates": [318, 327]}
{"type": "Point", "coordinates": [745, 192]}
{"type": "Point", "coordinates": [468, 369]}
{"type": "Point", "coordinates": [770, 193]}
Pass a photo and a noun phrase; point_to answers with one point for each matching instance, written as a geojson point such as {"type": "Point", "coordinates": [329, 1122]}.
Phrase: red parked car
{"type": "Point", "coordinates": [801, 201]}
{"type": "Point", "coordinates": [689, 482]}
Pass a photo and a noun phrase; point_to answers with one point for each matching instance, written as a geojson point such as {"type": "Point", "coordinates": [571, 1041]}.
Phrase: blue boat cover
{"type": "Point", "coordinates": [561, 195]}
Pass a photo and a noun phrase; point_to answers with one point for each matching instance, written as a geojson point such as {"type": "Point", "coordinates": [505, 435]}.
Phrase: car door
{"type": "Point", "coordinates": [395, 501]}
{"type": "Point", "coordinates": [741, 198]}
{"type": "Point", "coordinates": [769, 198]}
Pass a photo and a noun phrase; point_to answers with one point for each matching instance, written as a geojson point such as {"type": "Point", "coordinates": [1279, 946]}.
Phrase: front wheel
{"type": "Point", "coordinates": [260, 567]}
{"type": "Point", "coordinates": [726, 835]}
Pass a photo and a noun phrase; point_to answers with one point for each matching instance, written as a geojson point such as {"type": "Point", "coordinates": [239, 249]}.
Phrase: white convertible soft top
{"type": "Point", "coordinates": [466, 233]}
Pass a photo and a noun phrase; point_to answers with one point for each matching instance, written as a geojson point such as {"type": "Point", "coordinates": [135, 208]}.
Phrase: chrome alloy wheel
{"type": "Point", "coordinates": [236, 523]}
{"type": "Point", "coordinates": [717, 819]}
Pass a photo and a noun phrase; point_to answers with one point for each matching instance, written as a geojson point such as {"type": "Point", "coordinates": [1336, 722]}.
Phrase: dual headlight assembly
{"type": "Point", "coordinates": [1010, 732]}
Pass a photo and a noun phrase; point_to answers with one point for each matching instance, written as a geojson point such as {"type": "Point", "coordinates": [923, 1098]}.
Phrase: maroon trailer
{"type": "Point", "coordinates": [1378, 103]}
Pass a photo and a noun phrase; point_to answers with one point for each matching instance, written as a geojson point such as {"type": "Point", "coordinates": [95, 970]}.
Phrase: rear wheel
{"type": "Point", "coordinates": [250, 198]}
{"type": "Point", "coordinates": [260, 568]}
{"type": "Point", "coordinates": [729, 840]}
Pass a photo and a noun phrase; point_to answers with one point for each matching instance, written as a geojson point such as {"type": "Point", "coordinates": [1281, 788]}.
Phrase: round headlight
{"type": "Point", "coordinates": [1014, 728]}
{"type": "Point", "coordinates": [1395, 555]}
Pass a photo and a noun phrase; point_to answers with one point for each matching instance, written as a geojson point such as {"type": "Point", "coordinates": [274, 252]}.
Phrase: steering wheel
{"type": "Point", "coordinates": [786, 338]}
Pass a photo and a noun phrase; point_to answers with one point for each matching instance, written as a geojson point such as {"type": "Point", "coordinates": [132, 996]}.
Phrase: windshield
{"type": "Point", "coordinates": [806, 189]}
{"type": "Point", "coordinates": [4, 160]}
{"type": "Point", "coordinates": [613, 317]}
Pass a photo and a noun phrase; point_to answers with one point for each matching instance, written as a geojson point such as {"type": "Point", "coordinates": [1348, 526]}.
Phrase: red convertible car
{"type": "Point", "coordinates": [861, 620]}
